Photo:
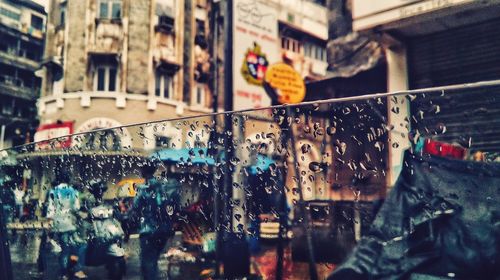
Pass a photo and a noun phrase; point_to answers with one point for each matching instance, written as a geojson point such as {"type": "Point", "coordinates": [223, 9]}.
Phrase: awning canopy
{"type": "Point", "coordinates": [348, 55]}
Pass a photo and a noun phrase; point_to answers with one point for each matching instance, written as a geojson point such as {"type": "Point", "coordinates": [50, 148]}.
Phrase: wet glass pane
{"type": "Point", "coordinates": [378, 183]}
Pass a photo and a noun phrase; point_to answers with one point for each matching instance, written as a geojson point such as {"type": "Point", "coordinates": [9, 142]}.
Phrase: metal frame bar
{"type": "Point", "coordinates": [449, 88]}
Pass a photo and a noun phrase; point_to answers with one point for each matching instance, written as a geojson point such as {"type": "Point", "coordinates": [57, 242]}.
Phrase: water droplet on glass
{"type": "Point", "coordinates": [306, 148]}
{"type": "Point", "coordinates": [331, 130]}
{"type": "Point", "coordinates": [315, 166]}
{"type": "Point", "coordinates": [170, 210]}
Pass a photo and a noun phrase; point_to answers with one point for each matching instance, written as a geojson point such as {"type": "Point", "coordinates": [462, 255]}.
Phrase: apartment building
{"type": "Point", "coordinates": [22, 29]}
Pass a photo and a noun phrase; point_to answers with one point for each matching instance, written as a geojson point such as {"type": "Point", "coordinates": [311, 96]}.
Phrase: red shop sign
{"type": "Point", "coordinates": [54, 130]}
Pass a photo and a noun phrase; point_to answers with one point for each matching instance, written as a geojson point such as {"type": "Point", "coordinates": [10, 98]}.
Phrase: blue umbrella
{"type": "Point", "coordinates": [198, 156]}
{"type": "Point", "coordinates": [183, 156]}
{"type": "Point", "coordinates": [263, 163]}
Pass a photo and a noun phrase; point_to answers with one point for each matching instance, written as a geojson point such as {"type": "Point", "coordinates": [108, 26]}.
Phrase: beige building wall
{"type": "Point", "coordinates": [75, 59]}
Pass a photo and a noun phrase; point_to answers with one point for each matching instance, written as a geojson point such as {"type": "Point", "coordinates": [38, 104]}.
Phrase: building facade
{"type": "Point", "coordinates": [438, 43]}
{"type": "Point", "coordinates": [22, 33]}
{"type": "Point", "coordinates": [115, 62]}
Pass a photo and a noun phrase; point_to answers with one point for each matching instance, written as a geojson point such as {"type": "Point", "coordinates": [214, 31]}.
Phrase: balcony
{"type": "Point", "coordinates": [18, 61]}
{"type": "Point", "coordinates": [12, 87]}
{"type": "Point", "coordinates": [108, 37]}
{"type": "Point", "coordinates": [164, 50]}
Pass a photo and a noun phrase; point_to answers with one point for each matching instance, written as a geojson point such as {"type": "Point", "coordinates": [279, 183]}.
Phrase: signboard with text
{"type": "Point", "coordinates": [368, 13]}
{"type": "Point", "coordinates": [255, 48]}
{"type": "Point", "coordinates": [287, 86]}
{"type": "Point", "coordinates": [54, 130]}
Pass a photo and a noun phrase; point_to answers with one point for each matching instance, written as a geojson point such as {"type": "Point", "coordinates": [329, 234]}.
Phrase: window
{"type": "Point", "coordinates": [105, 78]}
{"type": "Point", "coordinates": [8, 107]}
{"type": "Point", "coordinates": [110, 9]}
{"type": "Point", "coordinates": [315, 51]}
{"type": "Point", "coordinates": [36, 22]}
{"type": "Point", "coordinates": [164, 85]}
{"type": "Point", "coordinates": [166, 22]}
{"type": "Point", "coordinates": [62, 15]}
{"type": "Point", "coordinates": [291, 44]}
{"type": "Point", "coordinates": [198, 98]}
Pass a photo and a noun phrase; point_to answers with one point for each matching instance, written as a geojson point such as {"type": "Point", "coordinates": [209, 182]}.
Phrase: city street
{"type": "Point", "coordinates": [24, 253]}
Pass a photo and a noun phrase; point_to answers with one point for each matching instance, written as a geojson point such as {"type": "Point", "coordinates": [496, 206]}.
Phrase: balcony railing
{"type": "Point", "coordinates": [14, 88]}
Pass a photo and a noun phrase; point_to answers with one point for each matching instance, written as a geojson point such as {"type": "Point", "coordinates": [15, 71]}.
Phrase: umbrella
{"type": "Point", "coordinates": [183, 156]}
{"type": "Point", "coordinates": [263, 163]}
{"type": "Point", "coordinates": [200, 156]}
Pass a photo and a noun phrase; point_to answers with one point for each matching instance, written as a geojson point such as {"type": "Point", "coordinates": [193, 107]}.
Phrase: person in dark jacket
{"type": "Point", "coordinates": [155, 209]}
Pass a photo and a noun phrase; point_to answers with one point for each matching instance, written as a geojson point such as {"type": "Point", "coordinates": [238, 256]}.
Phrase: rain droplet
{"type": "Point", "coordinates": [237, 217]}
{"type": "Point", "coordinates": [306, 148]}
{"type": "Point", "coordinates": [379, 145]}
{"type": "Point", "coordinates": [331, 130]}
{"type": "Point", "coordinates": [315, 167]}
{"type": "Point", "coordinates": [170, 210]}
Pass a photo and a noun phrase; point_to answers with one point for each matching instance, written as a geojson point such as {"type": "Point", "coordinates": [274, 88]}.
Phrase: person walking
{"type": "Point", "coordinates": [62, 207]}
{"type": "Point", "coordinates": [155, 208]}
{"type": "Point", "coordinates": [19, 197]}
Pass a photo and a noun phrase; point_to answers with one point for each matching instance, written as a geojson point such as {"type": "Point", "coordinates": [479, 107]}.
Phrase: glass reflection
{"type": "Point", "coordinates": [305, 185]}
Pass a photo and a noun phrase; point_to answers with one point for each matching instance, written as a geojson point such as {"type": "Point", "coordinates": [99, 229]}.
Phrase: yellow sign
{"type": "Point", "coordinates": [287, 83]}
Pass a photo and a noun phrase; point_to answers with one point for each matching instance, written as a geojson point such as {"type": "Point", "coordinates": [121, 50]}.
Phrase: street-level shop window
{"type": "Point", "coordinates": [164, 85]}
{"type": "Point", "coordinates": [110, 9]}
{"type": "Point", "coordinates": [105, 78]}
{"type": "Point", "coordinates": [199, 94]}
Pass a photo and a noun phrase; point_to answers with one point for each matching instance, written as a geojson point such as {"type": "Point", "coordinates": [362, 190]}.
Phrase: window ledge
{"type": "Point", "coordinates": [167, 101]}
{"type": "Point", "coordinates": [117, 21]}
{"type": "Point", "coordinates": [200, 109]}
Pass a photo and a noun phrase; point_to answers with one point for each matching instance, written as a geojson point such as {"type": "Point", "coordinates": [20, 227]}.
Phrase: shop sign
{"type": "Point", "coordinates": [255, 47]}
{"type": "Point", "coordinates": [286, 83]}
{"type": "Point", "coordinates": [122, 134]}
{"type": "Point", "coordinates": [369, 13]}
{"type": "Point", "coordinates": [50, 131]}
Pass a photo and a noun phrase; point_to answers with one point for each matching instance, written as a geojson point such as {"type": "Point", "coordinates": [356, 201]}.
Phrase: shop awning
{"type": "Point", "coordinates": [351, 54]}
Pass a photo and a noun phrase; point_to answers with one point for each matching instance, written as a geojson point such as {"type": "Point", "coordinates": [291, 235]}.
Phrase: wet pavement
{"type": "Point", "coordinates": [24, 253]}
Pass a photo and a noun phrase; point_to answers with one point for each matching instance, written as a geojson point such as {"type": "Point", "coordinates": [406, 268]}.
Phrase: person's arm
{"type": "Point", "coordinates": [51, 208]}
{"type": "Point", "coordinates": [138, 200]}
{"type": "Point", "coordinates": [76, 204]}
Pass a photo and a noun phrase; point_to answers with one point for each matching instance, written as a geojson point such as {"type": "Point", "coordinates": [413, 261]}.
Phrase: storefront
{"type": "Point", "coordinates": [431, 43]}
{"type": "Point", "coordinates": [432, 61]}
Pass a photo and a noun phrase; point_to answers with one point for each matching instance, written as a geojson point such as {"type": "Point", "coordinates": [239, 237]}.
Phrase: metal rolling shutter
{"type": "Point", "coordinates": [462, 55]}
